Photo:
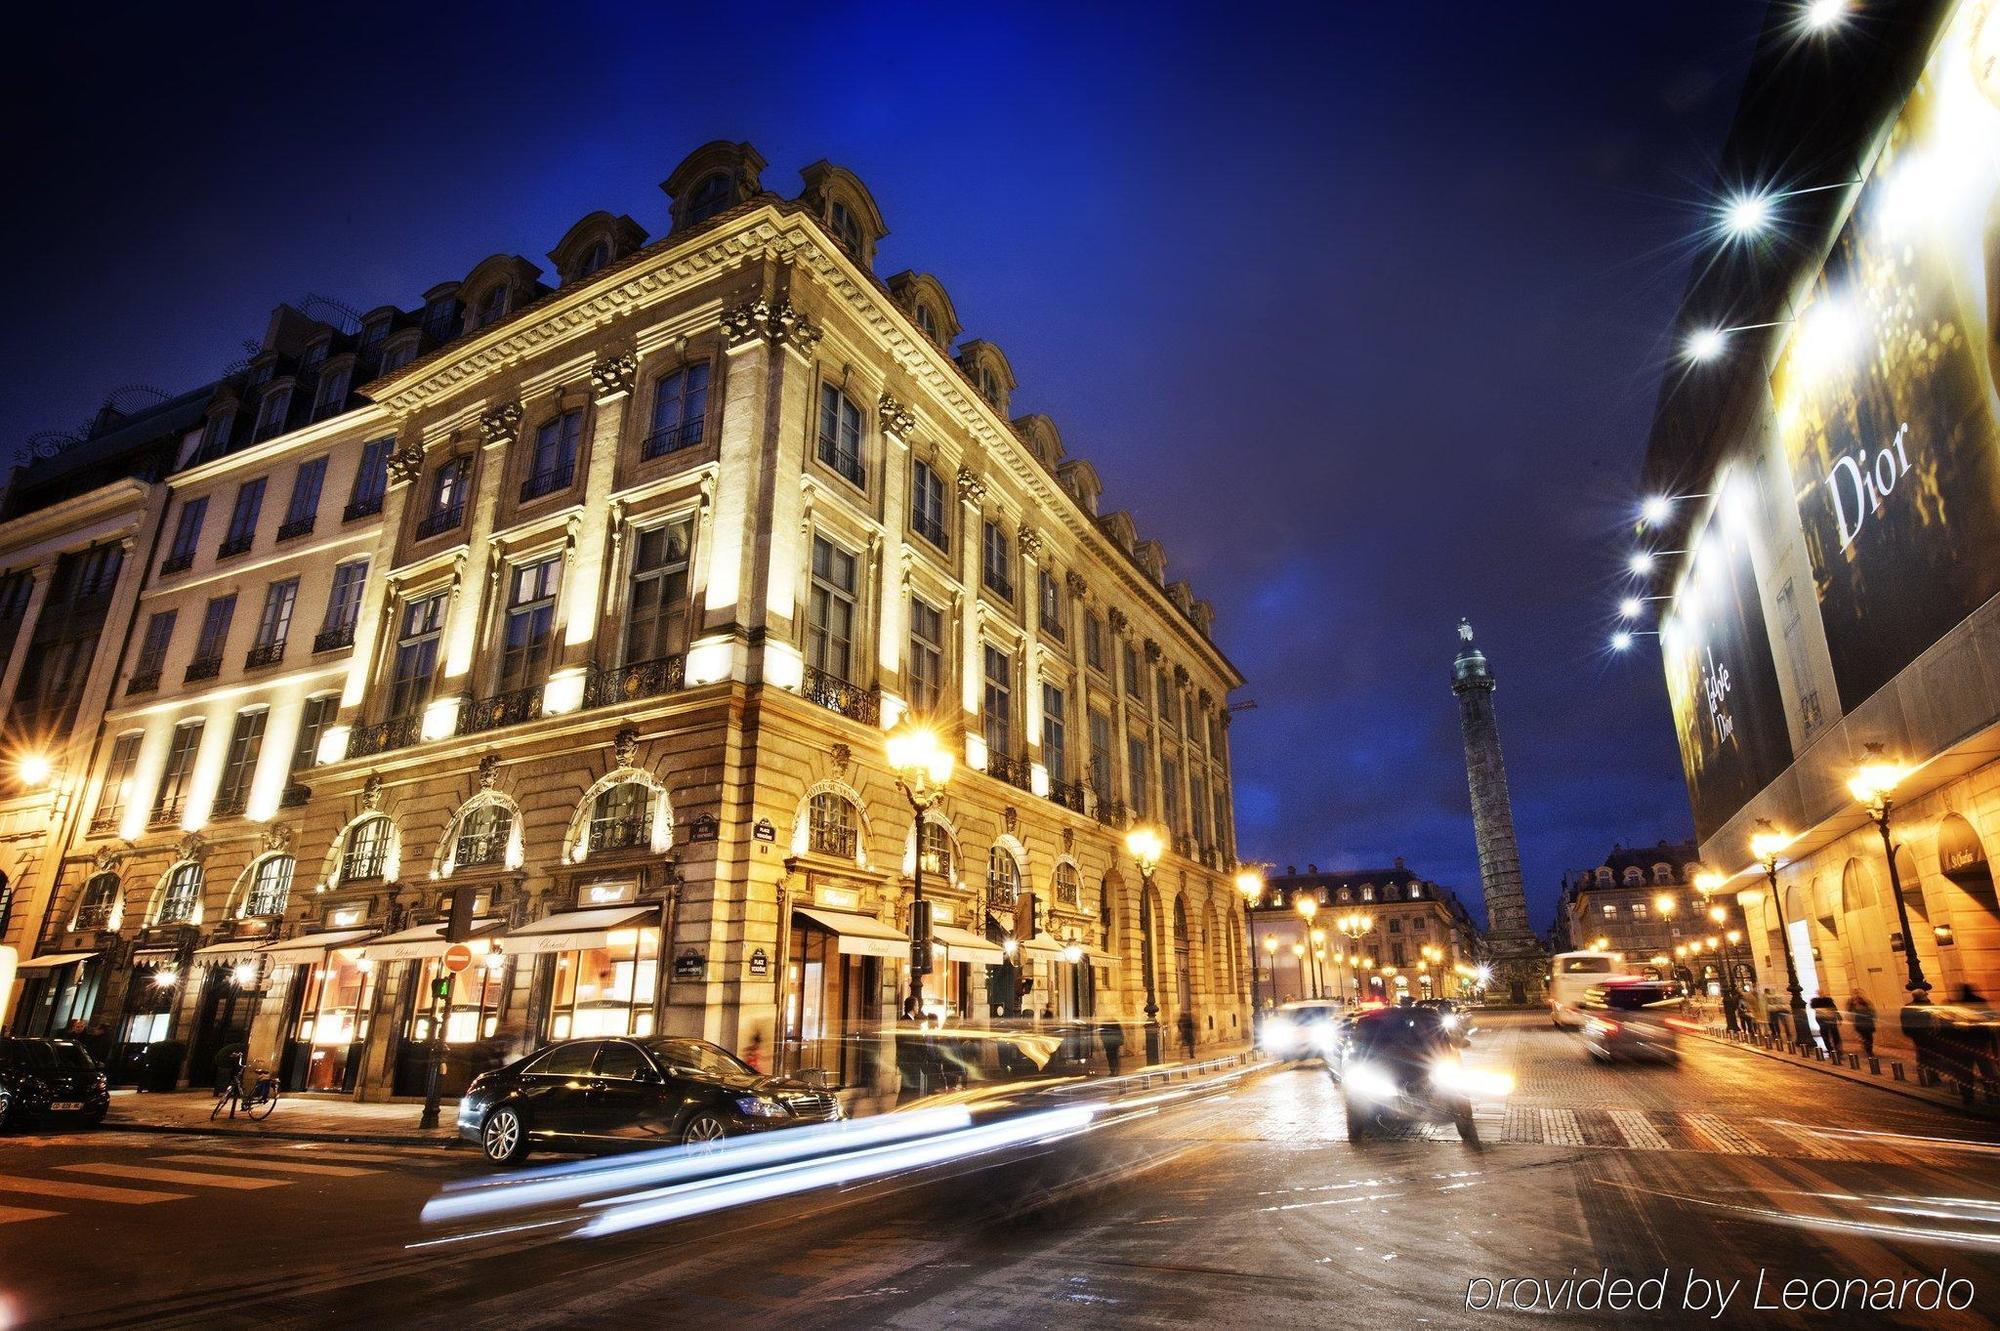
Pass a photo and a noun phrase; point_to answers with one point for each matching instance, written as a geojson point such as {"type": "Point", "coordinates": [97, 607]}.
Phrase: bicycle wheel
{"type": "Point", "coordinates": [262, 1109]}
{"type": "Point", "coordinates": [220, 1101]}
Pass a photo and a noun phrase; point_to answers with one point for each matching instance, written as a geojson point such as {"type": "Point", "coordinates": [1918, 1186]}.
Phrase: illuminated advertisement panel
{"type": "Point", "coordinates": [1885, 395]}
{"type": "Point", "coordinates": [1721, 678]}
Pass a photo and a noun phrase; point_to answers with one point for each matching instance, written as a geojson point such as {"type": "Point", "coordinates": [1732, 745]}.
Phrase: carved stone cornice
{"type": "Point", "coordinates": [970, 488]}
{"type": "Point", "coordinates": [782, 323]}
{"type": "Point", "coordinates": [406, 463]}
{"type": "Point", "coordinates": [612, 375]}
{"type": "Point", "coordinates": [1030, 541]}
{"type": "Point", "coordinates": [501, 425]}
{"type": "Point", "coordinates": [1079, 589]}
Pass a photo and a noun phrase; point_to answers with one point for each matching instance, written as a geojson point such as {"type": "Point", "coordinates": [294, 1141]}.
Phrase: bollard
{"type": "Point", "coordinates": [1874, 1066]}
{"type": "Point", "coordinates": [1854, 1062]}
{"type": "Point", "coordinates": [1896, 1068]}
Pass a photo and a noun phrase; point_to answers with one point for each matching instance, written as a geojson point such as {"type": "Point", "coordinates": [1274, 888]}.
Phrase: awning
{"type": "Point", "coordinates": [860, 935]}
{"type": "Point", "coordinates": [221, 954]}
{"type": "Point", "coordinates": [311, 947]}
{"type": "Point", "coordinates": [52, 960]}
{"type": "Point", "coordinates": [1045, 947]}
{"type": "Point", "coordinates": [424, 940]}
{"type": "Point", "coordinates": [964, 945]}
{"type": "Point", "coordinates": [575, 930]}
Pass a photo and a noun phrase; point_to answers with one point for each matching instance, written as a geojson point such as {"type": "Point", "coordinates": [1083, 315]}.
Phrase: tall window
{"type": "Point", "coordinates": [215, 436]}
{"type": "Point", "coordinates": [927, 505]}
{"type": "Point", "coordinates": [1137, 764]}
{"type": "Point", "coordinates": [927, 322]}
{"type": "Point", "coordinates": [656, 605]}
{"type": "Point", "coordinates": [1100, 756]}
{"type": "Point", "coordinates": [1163, 697]}
{"type": "Point", "coordinates": [187, 534]}
{"type": "Point", "coordinates": [926, 657]}
{"type": "Point", "coordinates": [1055, 732]}
{"type": "Point", "coordinates": [1093, 640]}
{"type": "Point", "coordinates": [996, 561]}
{"type": "Point", "coordinates": [239, 764]}
{"type": "Point", "coordinates": [371, 479]}
{"type": "Point", "coordinates": [447, 506]}
{"type": "Point", "coordinates": [530, 627]}
{"type": "Point", "coordinates": [270, 887]}
{"type": "Point", "coordinates": [940, 857]}
{"type": "Point", "coordinates": [172, 794]}
{"type": "Point", "coordinates": [303, 506]}
{"type": "Point", "coordinates": [482, 836]}
{"type": "Point", "coordinates": [331, 399]}
{"type": "Point", "coordinates": [840, 434]}
{"type": "Point", "coordinates": [116, 793]}
{"type": "Point", "coordinates": [493, 307]}
{"type": "Point", "coordinates": [1068, 887]}
{"type": "Point", "coordinates": [710, 197]}
{"type": "Point", "coordinates": [1130, 655]}
{"type": "Point", "coordinates": [1003, 878]}
{"type": "Point", "coordinates": [598, 255]}
{"type": "Point", "coordinates": [830, 621]}
{"type": "Point", "coordinates": [1048, 606]}
{"type": "Point", "coordinates": [98, 902]}
{"type": "Point", "coordinates": [273, 411]}
{"type": "Point", "coordinates": [274, 625]}
{"type": "Point", "coordinates": [845, 225]}
{"type": "Point", "coordinates": [830, 825]}
{"type": "Point", "coordinates": [622, 817]}
{"type": "Point", "coordinates": [153, 651]}
{"type": "Point", "coordinates": [680, 411]}
{"type": "Point", "coordinates": [999, 710]}
{"type": "Point", "coordinates": [316, 716]}
{"type": "Point", "coordinates": [208, 645]}
{"type": "Point", "coordinates": [343, 606]}
{"type": "Point", "coordinates": [366, 853]}
{"type": "Point", "coordinates": [181, 896]}
{"type": "Point", "coordinates": [1198, 806]}
{"type": "Point", "coordinates": [243, 518]}
{"type": "Point", "coordinates": [1170, 794]}
{"type": "Point", "coordinates": [416, 656]}
{"type": "Point", "coordinates": [554, 463]}
{"type": "Point", "coordinates": [441, 318]}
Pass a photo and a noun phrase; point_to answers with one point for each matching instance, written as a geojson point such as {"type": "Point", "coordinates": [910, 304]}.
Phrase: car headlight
{"type": "Point", "coordinates": [1278, 1032]}
{"type": "Point", "coordinates": [761, 1106]}
{"type": "Point", "coordinates": [1449, 1021]}
{"type": "Point", "coordinates": [1369, 1082]}
{"type": "Point", "coordinates": [1458, 1078]}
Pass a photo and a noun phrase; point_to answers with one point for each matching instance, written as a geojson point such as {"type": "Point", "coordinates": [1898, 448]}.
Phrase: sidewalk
{"type": "Point", "coordinates": [296, 1118]}
{"type": "Point", "coordinates": [1893, 1069]}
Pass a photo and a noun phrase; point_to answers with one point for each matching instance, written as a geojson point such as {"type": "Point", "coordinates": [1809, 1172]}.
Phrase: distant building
{"type": "Point", "coordinates": [1643, 902]}
{"type": "Point", "coordinates": [1422, 940]}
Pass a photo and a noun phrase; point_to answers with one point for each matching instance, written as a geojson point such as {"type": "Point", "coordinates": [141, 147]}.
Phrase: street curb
{"type": "Point", "coordinates": [286, 1134]}
{"type": "Point", "coordinates": [1904, 1089]}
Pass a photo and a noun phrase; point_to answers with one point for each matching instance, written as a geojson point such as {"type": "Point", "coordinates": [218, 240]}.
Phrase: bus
{"type": "Point", "coordinates": [1573, 974]}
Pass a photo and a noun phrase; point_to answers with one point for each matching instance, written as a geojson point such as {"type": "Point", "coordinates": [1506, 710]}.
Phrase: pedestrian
{"type": "Point", "coordinates": [1863, 1013]}
{"type": "Point", "coordinates": [1780, 1019]}
{"type": "Point", "coordinates": [1187, 1034]}
{"type": "Point", "coordinates": [1112, 1036]}
{"type": "Point", "coordinates": [1828, 1017]}
{"type": "Point", "coordinates": [1759, 1013]}
{"type": "Point", "coordinates": [1732, 1009]}
{"type": "Point", "coordinates": [1919, 1027]}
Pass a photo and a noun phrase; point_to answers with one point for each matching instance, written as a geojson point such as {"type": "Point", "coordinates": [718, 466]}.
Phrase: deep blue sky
{"type": "Point", "coordinates": [1361, 314]}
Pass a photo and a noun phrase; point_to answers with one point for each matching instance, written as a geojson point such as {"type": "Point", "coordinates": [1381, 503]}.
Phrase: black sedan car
{"type": "Point", "coordinates": [628, 1094]}
{"type": "Point", "coordinates": [44, 1079]}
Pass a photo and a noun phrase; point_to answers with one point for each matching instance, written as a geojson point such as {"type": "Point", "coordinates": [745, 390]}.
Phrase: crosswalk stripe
{"type": "Point", "coordinates": [187, 1176]}
{"type": "Point", "coordinates": [1721, 1134]}
{"type": "Point", "coordinates": [1559, 1127]}
{"type": "Point", "coordinates": [265, 1162]}
{"type": "Point", "coordinates": [10, 1214]}
{"type": "Point", "coordinates": [1639, 1131]}
{"type": "Point", "coordinates": [1807, 1141]}
{"type": "Point", "coordinates": [90, 1192]}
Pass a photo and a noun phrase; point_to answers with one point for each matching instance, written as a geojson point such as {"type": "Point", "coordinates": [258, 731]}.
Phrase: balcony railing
{"type": "Point", "coordinates": [398, 732]}
{"type": "Point", "coordinates": [166, 814]}
{"type": "Point", "coordinates": [439, 523]}
{"type": "Point", "coordinates": [361, 508]}
{"type": "Point", "coordinates": [1005, 767]}
{"type": "Point", "coordinates": [476, 850]}
{"type": "Point", "coordinates": [548, 482]}
{"type": "Point", "coordinates": [90, 919]}
{"type": "Point", "coordinates": [1069, 794]}
{"type": "Point", "coordinates": [229, 805]}
{"type": "Point", "coordinates": [631, 833]}
{"type": "Point", "coordinates": [502, 709]}
{"type": "Point", "coordinates": [333, 639]}
{"type": "Point", "coordinates": [267, 902]}
{"type": "Point", "coordinates": [831, 839]}
{"type": "Point", "coordinates": [178, 562]}
{"type": "Point", "coordinates": [265, 654]}
{"type": "Point", "coordinates": [143, 681]}
{"type": "Point", "coordinates": [670, 439]}
{"type": "Point", "coordinates": [606, 685]}
{"type": "Point", "coordinates": [1113, 813]}
{"type": "Point", "coordinates": [297, 527]}
{"type": "Point", "coordinates": [837, 695]}
{"type": "Point", "coordinates": [235, 545]}
{"type": "Point", "coordinates": [203, 667]}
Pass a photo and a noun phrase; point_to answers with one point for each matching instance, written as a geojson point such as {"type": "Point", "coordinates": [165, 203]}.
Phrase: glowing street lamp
{"type": "Point", "coordinates": [1665, 904]}
{"type": "Point", "coordinates": [1145, 844]}
{"type": "Point", "coordinates": [1655, 509]}
{"type": "Point", "coordinates": [922, 767]}
{"type": "Point", "coordinates": [1873, 784]}
{"type": "Point", "coordinates": [1821, 15]}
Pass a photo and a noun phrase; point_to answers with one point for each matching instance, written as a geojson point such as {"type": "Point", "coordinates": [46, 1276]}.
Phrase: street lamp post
{"type": "Point", "coordinates": [1318, 937]}
{"type": "Point", "coordinates": [1767, 844]}
{"type": "Point", "coordinates": [922, 767]}
{"type": "Point", "coordinates": [1299, 960]}
{"type": "Point", "coordinates": [1251, 884]}
{"type": "Point", "coordinates": [1271, 960]}
{"type": "Point", "coordinates": [1872, 785]}
{"type": "Point", "coordinates": [1145, 844]}
{"type": "Point", "coordinates": [1354, 926]}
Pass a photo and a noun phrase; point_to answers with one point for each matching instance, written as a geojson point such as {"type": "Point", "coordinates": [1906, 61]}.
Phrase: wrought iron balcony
{"type": "Point", "coordinates": [634, 833]}
{"type": "Point", "coordinates": [333, 639]}
{"type": "Point", "coordinates": [178, 562]}
{"type": "Point", "coordinates": [297, 527]}
{"type": "Point", "coordinates": [265, 654]}
{"type": "Point", "coordinates": [607, 685]}
{"type": "Point", "coordinates": [1113, 813]}
{"type": "Point", "coordinates": [837, 695]}
{"type": "Point", "coordinates": [235, 545]}
{"type": "Point", "coordinates": [439, 523]}
{"type": "Point", "coordinates": [267, 902]}
{"type": "Point", "coordinates": [831, 840]}
{"type": "Point", "coordinates": [362, 508]}
{"type": "Point", "coordinates": [548, 482]}
{"type": "Point", "coordinates": [91, 919]}
{"type": "Point", "coordinates": [203, 667]}
{"type": "Point", "coordinates": [166, 814]}
{"type": "Point", "coordinates": [670, 439]}
{"type": "Point", "coordinates": [1009, 768]}
{"type": "Point", "coordinates": [143, 681]}
{"type": "Point", "coordinates": [477, 850]}
{"type": "Point", "coordinates": [229, 804]}
{"type": "Point", "coordinates": [1002, 895]}
{"type": "Point", "coordinates": [1069, 794]}
{"type": "Point", "coordinates": [502, 709]}
{"type": "Point", "coordinates": [398, 732]}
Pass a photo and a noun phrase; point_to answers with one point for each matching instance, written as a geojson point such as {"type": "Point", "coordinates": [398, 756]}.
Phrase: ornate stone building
{"type": "Point", "coordinates": [1421, 941]}
{"type": "Point", "coordinates": [589, 599]}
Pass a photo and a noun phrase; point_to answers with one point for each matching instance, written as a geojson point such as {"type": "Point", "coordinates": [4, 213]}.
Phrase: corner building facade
{"type": "Point", "coordinates": [596, 613]}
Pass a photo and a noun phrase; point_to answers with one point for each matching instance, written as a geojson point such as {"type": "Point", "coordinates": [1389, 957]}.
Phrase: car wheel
{"type": "Point", "coordinates": [703, 1132]}
{"type": "Point", "coordinates": [1357, 1124]}
{"type": "Point", "coordinates": [6, 1110]}
{"type": "Point", "coordinates": [1468, 1131]}
{"type": "Point", "coordinates": [503, 1138]}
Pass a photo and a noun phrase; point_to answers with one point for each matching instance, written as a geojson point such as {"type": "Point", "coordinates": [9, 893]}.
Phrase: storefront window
{"type": "Point", "coordinates": [149, 1008]}
{"type": "Point", "coordinates": [607, 990]}
{"type": "Point", "coordinates": [475, 1003]}
{"type": "Point", "coordinates": [333, 1017]}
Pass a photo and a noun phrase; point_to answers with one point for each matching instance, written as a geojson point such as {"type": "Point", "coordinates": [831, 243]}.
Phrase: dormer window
{"type": "Point", "coordinates": [401, 354]}
{"type": "Point", "coordinates": [441, 318]}
{"type": "Point", "coordinates": [927, 322]}
{"type": "Point", "coordinates": [710, 197]}
{"type": "Point", "coordinates": [846, 227]}
{"type": "Point", "coordinates": [989, 387]}
{"type": "Point", "coordinates": [374, 331]}
{"type": "Point", "coordinates": [315, 354]}
{"type": "Point", "coordinates": [494, 307]}
{"type": "Point", "coordinates": [271, 414]}
{"type": "Point", "coordinates": [598, 255]}
{"type": "Point", "coordinates": [332, 397]}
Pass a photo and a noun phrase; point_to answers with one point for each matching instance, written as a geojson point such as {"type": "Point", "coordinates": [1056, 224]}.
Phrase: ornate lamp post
{"type": "Point", "coordinates": [922, 767]}
{"type": "Point", "coordinates": [1307, 906]}
{"type": "Point", "coordinates": [1872, 785]}
{"type": "Point", "coordinates": [1318, 937]}
{"type": "Point", "coordinates": [1354, 926]}
{"type": "Point", "coordinates": [1299, 960]}
{"type": "Point", "coordinates": [1251, 884]}
{"type": "Point", "coordinates": [1767, 844]}
{"type": "Point", "coordinates": [1145, 845]}
{"type": "Point", "coordinates": [1271, 963]}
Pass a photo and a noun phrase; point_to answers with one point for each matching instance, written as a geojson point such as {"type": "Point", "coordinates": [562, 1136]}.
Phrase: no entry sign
{"type": "Point", "coordinates": [457, 957]}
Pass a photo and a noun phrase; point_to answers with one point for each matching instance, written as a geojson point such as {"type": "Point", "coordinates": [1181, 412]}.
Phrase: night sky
{"type": "Point", "coordinates": [1363, 316]}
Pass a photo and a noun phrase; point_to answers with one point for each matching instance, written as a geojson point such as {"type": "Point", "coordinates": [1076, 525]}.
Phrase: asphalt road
{"type": "Point", "coordinates": [1243, 1208]}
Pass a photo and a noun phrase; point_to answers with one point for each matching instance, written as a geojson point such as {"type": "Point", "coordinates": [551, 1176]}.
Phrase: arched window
{"type": "Point", "coordinates": [482, 836]}
{"type": "Point", "coordinates": [989, 387]}
{"type": "Point", "coordinates": [98, 904]}
{"type": "Point", "coordinates": [1347, 894]}
{"type": "Point", "coordinates": [622, 818]}
{"type": "Point", "coordinates": [1069, 888]}
{"type": "Point", "coordinates": [940, 861]}
{"type": "Point", "coordinates": [1604, 874]}
{"type": "Point", "coordinates": [1003, 878]}
{"type": "Point", "coordinates": [1663, 873]}
{"type": "Point", "coordinates": [1634, 876]}
{"type": "Point", "coordinates": [181, 895]}
{"type": "Point", "coordinates": [845, 225]}
{"type": "Point", "coordinates": [270, 887]}
{"type": "Point", "coordinates": [710, 197]}
{"type": "Point", "coordinates": [1105, 919]}
{"type": "Point", "coordinates": [494, 307]}
{"type": "Point", "coordinates": [596, 258]}
{"type": "Point", "coordinates": [1416, 890]}
{"type": "Point", "coordinates": [1392, 893]}
{"type": "Point", "coordinates": [830, 826]}
{"type": "Point", "coordinates": [366, 853]}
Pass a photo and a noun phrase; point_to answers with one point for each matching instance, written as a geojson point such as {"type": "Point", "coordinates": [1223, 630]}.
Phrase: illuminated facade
{"type": "Point", "coordinates": [1829, 528]}
{"type": "Point", "coordinates": [589, 598]}
{"type": "Point", "coordinates": [1420, 941]}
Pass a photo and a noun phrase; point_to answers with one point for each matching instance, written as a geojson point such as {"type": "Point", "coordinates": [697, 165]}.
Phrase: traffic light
{"type": "Point", "coordinates": [441, 988]}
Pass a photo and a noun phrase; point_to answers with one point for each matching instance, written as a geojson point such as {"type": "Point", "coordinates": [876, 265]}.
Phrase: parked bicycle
{"type": "Point", "coordinates": [257, 1099]}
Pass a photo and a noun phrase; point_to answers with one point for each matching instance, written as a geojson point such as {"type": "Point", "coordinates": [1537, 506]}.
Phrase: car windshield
{"type": "Point", "coordinates": [700, 1056]}
{"type": "Point", "coordinates": [1307, 1016]}
{"type": "Point", "coordinates": [1633, 997]}
{"type": "Point", "coordinates": [1402, 1032]}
